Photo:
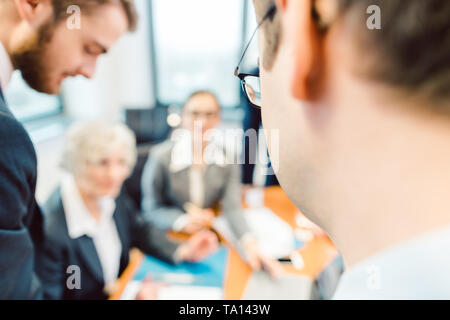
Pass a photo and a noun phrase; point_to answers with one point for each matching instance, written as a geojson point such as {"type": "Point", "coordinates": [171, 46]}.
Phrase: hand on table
{"type": "Point", "coordinates": [149, 290]}
{"type": "Point", "coordinates": [304, 223]}
{"type": "Point", "coordinates": [257, 260]}
{"type": "Point", "coordinates": [198, 219]}
{"type": "Point", "coordinates": [199, 246]}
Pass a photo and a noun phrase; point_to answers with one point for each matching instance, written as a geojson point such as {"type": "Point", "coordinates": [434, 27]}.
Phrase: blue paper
{"type": "Point", "coordinates": [209, 272]}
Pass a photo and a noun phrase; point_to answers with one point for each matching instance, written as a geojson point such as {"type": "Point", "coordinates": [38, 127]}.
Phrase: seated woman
{"type": "Point", "coordinates": [184, 180]}
{"type": "Point", "coordinates": [91, 225]}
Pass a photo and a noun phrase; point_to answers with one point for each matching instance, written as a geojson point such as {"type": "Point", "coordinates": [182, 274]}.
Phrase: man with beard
{"type": "Point", "coordinates": [35, 39]}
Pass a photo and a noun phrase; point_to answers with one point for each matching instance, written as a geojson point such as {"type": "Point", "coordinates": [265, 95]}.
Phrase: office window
{"type": "Point", "coordinates": [197, 44]}
{"type": "Point", "coordinates": [27, 104]}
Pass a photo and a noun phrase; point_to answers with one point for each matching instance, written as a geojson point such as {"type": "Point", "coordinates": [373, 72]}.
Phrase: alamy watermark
{"type": "Point", "coordinates": [225, 147]}
{"type": "Point", "coordinates": [374, 20]}
{"type": "Point", "coordinates": [74, 20]}
{"type": "Point", "coordinates": [373, 281]}
{"type": "Point", "coordinates": [73, 281]}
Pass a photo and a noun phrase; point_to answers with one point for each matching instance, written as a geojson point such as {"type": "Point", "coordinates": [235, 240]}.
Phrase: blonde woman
{"type": "Point", "coordinates": [91, 224]}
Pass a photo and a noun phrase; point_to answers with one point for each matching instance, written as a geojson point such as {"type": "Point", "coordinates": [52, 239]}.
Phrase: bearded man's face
{"type": "Point", "coordinates": [55, 51]}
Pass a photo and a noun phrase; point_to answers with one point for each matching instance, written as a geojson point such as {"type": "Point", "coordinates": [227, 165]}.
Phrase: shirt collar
{"type": "Point", "coordinates": [415, 269]}
{"type": "Point", "coordinates": [182, 157]}
{"type": "Point", "coordinates": [6, 68]}
{"type": "Point", "coordinates": [79, 220]}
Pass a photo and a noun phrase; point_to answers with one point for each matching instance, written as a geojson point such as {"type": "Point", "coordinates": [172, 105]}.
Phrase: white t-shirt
{"type": "Point", "coordinates": [416, 269]}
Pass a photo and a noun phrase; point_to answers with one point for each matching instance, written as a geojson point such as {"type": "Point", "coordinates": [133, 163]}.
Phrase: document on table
{"type": "Point", "coordinates": [289, 287]}
{"type": "Point", "coordinates": [275, 237]}
{"type": "Point", "coordinates": [190, 293]}
{"type": "Point", "coordinates": [176, 292]}
{"type": "Point", "coordinates": [186, 280]}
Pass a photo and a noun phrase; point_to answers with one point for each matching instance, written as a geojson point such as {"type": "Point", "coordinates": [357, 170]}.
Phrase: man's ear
{"type": "Point", "coordinates": [35, 12]}
{"type": "Point", "coordinates": [300, 29]}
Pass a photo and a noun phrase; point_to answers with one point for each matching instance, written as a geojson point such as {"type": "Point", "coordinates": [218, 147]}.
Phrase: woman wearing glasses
{"type": "Point", "coordinates": [185, 179]}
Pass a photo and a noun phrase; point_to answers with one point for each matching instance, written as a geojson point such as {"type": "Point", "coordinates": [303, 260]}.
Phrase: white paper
{"type": "Point", "coordinates": [175, 292]}
{"type": "Point", "coordinates": [255, 197]}
{"type": "Point", "coordinates": [289, 287]}
{"type": "Point", "coordinates": [131, 290]}
{"type": "Point", "coordinates": [190, 293]}
{"type": "Point", "coordinates": [275, 237]}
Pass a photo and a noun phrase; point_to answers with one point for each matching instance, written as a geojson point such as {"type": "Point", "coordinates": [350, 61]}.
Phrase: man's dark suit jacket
{"type": "Point", "coordinates": [60, 251]}
{"type": "Point", "coordinates": [20, 216]}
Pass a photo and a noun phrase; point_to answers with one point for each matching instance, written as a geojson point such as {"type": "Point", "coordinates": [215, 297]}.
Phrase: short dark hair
{"type": "Point", "coordinates": [411, 50]}
{"type": "Point", "coordinates": [60, 8]}
{"type": "Point", "coordinates": [272, 31]}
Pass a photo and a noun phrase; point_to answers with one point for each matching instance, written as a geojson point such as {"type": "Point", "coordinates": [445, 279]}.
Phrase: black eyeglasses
{"type": "Point", "coordinates": [251, 82]}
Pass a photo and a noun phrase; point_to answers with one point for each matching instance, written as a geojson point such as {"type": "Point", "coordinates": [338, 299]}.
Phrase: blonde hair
{"type": "Point", "coordinates": [90, 142]}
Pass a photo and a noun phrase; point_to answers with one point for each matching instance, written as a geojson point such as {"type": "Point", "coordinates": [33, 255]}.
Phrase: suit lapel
{"type": "Point", "coordinates": [180, 186]}
{"type": "Point", "coordinates": [120, 225]}
{"type": "Point", "coordinates": [3, 107]}
{"type": "Point", "coordinates": [214, 181]}
{"type": "Point", "coordinates": [122, 229]}
{"type": "Point", "coordinates": [88, 252]}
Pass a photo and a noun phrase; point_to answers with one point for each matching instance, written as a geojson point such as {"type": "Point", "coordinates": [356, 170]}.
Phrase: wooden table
{"type": "Point", "coordinates": [316, 254]}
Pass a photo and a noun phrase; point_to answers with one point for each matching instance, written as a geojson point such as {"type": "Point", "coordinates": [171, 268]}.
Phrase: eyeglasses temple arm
{"type": "Point", "coordinates": [270, 12]}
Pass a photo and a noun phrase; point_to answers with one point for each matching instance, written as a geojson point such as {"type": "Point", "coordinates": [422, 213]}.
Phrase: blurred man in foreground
{"type": "Point", "coordinates": [360, 93]}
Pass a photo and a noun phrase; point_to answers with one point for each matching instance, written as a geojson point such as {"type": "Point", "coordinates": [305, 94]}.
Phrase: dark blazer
{"type": "Point", "coordinates": [60, 251]}
{"type": "Point", "coordinates": [20, 216]}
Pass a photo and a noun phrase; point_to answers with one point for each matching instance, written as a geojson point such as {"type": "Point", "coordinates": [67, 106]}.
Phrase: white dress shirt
{"type": "Point", "coordinates": [416, 269]}
{"type": "Point", "coordinates": [6, 68]}
{"type": "Point", "coordinates": [197, 186]}
{"type": "Point", "coordinates": [196, 195]}
{"type": "Point", "coordinates": [182, 158]}
{"type": "Point", "coordinates": [103, 232]}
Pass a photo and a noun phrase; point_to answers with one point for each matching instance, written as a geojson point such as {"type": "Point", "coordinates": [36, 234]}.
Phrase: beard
{"type": "Point", "coordinates": [32, 60]}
